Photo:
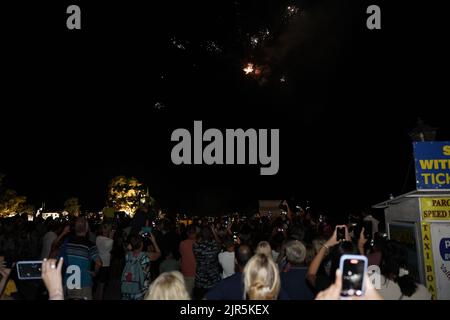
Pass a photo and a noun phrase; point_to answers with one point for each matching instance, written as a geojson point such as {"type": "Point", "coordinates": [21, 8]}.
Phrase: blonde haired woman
{"type": "Point", "coordinates": [261, 278]}
{"type": "Point", "coordinates": [168, 286]}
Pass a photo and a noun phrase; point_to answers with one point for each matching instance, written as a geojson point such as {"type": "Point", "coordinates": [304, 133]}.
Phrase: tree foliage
{"type": "Point", "coordinates": [72, 206]}
{"type": "Point", "coordinates": [127, 194]}
{"type": "Point", "coordinates": [11, 203]}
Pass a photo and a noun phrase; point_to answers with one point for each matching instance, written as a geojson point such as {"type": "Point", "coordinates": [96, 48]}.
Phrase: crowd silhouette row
{"type": "Point", "coordinates": [293, 256]}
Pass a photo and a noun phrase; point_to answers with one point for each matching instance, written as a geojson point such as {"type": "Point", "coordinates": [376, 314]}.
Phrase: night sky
{"type": "Point", "coordinates": [80, 107]}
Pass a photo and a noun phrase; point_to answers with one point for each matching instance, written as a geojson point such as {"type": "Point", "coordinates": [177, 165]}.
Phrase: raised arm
{"type": "Point", "coordinates": [57, 242]}
{"type": "Point", "coordinates": [216, 237]}
{"type": "Point", "coordinates": [361, 243]}
{"type": "Point", "coordinates": [311, 274]}
{"type": "Point", "coordinates": [154, 255]}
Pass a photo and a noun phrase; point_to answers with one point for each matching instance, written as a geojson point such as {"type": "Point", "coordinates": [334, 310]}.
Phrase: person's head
{"type": "Point", "coordinates": [261, 278]}
{"type": "Point", "coordinates": [191, 232]}
{"type": "Point", "coordinates": [206, 233]}
{"type": "Point", "coordinates": [135, 242]}
{"type": "Point", "coordinates": [228, 243]}
{"type": "Point", "coordinates": [264, 248]}
{"type": "Point", "coordinates": [242, 255]}
{"type": "Point", "coordinates": [105, 230]}
{"type": "Point", "coordinates": [81, 227]}
{"type": "Point", "coordinates": [394, 266]}
{"type": "Point", "coordinates": [277, 241]}
{"type": "Point", "coordinates": [295, 253]}
{"type": "Point", "coordinates": [52, 225]}
{"type": "Point", "coordinates": [344, 247]}
{"type": "Point", "coordinates": [296, 232]}
{"type": "Point", "coordinates": [168, 254]}
{"type": "Point", "coordinates": [168, 286]}
{"type": "Point", "coordinates": [366, 212]}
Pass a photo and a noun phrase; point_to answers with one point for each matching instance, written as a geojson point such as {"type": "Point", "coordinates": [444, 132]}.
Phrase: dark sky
{"type": "Point", "coordinates": [78, 106]}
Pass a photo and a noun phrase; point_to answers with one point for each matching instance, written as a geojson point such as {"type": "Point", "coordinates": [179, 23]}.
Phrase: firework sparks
{"type": "Point", "coordinates": [181, 45]}
{"type": "Point", "coordinates": [213, 47]}
{"type": "Point", "coordinates": [290, 12]}
{"type": "Point", "coordinates": [254, 41]}
{"type": "Point", "coordinates": [159, 106]}
{"type": "Point", "coordinates": [249, 68]}
{"type": "Point", "coordinates": [252, 70]}
{"type": "Point", "coordinates": [259, 38]}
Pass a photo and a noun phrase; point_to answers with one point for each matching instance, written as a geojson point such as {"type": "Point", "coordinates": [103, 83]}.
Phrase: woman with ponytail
{"type": "Point", "coordinates": [396, 280]}
{"type": "Point", "coordinates": [261, 279]}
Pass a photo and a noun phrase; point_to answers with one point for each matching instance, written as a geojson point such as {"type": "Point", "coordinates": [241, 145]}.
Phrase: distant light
{"type": "Point", "coordinates": [249, 68]}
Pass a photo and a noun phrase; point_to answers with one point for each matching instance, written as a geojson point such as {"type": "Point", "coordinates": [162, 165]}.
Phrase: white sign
{"type": "Point", "coordinates": [440, 237]}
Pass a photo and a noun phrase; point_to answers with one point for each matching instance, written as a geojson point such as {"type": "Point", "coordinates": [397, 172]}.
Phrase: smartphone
{"type": "Point", "coordinates": [340, 233]}
{"type": "Point", "coordinates": [354, 269]}
{"type": "Point", "coordinates": [147, 230]}
{"type": "Point", "coordinates": [367, 225]}
{"type": "Point", "coordinates": [29, 270]}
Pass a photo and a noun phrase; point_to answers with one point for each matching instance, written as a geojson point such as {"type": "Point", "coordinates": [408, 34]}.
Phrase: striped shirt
{"type": "Point", "coordinates": [81, 252]}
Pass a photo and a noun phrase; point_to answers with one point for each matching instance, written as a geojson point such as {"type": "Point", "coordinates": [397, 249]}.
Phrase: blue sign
{"type": "Point", "coordinates": [432, 161]}
{"type": "Point", "coordinates": [444, 248]}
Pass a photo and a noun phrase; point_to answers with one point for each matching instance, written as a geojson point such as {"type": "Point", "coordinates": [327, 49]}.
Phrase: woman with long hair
{"type": "Point", "coordinates": [261, 279]}
{"type": "Point", "coordinates": [397, 282]}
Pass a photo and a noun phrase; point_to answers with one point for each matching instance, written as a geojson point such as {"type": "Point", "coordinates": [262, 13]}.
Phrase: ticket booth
{"type": "Point", "coordinates": [421, 218]}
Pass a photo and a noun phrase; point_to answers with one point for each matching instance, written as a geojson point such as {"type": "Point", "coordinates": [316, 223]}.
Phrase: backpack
{"type": "Point", "coordinates": [133, 277]}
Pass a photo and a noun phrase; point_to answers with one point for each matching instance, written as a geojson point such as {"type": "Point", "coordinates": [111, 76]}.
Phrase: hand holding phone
{"type": "Point", "coordinates": [354, 271]}
{"type": "Point", "coordinates": [333, 292]}
{"type": "Point", "coordinates": [146, 232]}
{"type": "Point", "coordinates": [52, 277]}
{"type": "Point", "coordinates": [340, 233]}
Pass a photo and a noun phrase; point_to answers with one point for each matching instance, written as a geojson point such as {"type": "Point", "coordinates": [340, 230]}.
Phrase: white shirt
{"type": "Point", "coordinates": [104, 247]}
{"type": "Point", "coordinates": [390, 290]}
{"type": "Point", "coordinates": [47, 242]}
{"type": "Point", "coordinates": [226, 260]}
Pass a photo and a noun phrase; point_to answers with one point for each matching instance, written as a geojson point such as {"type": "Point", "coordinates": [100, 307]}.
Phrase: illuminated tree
{"type": "Point", "coordinates": [72, 206]}
{"type": "Point", "coordinates": [11, 203]}
{"type": "Point", "coordinates": [127, 194]}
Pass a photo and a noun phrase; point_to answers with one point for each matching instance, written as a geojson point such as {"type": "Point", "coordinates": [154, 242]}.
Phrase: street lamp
{"type": "Point", "coordinates": [423, 132]}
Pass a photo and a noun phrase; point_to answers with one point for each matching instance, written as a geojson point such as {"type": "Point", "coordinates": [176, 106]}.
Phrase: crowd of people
{"type": "Point", "coordinates": [291, 256]}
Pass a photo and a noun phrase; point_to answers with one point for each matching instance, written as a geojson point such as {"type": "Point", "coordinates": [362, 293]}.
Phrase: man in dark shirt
{"type": "Point", "coordinates": [232, 288]}
{"type": "Point", "coordinates": [141, 219]}
{"type": "Point", "coordinates": [207, 273]}
{"type": "Point", "coordinates": [293, 282]}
